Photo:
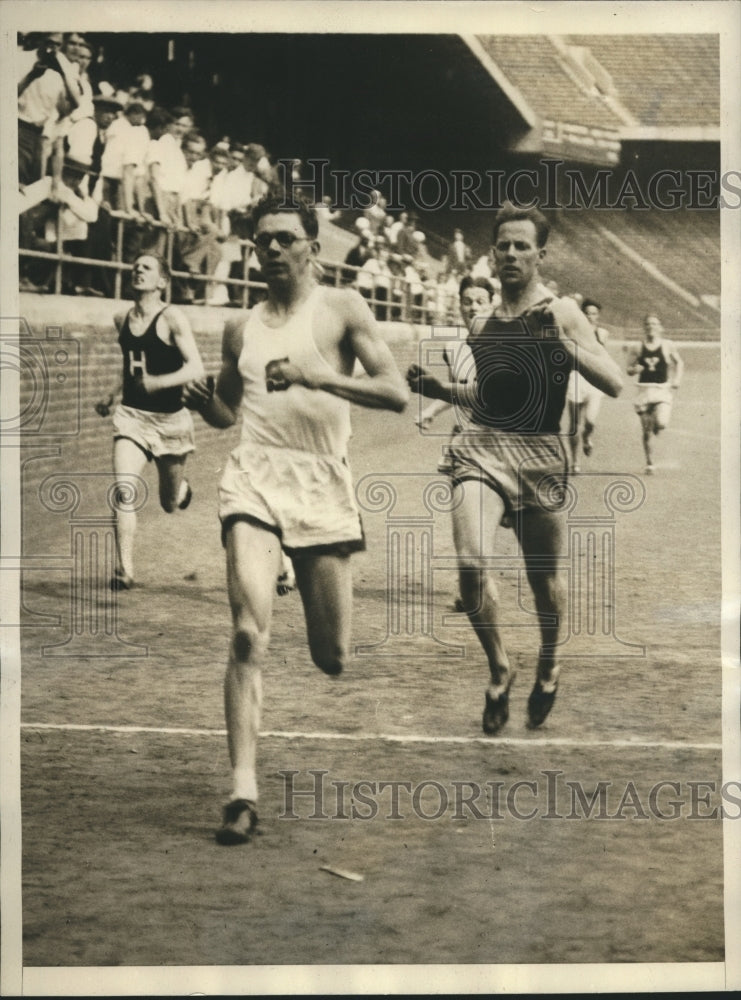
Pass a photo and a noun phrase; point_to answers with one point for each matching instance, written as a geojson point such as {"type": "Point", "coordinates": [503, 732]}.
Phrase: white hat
{"type": "Point", "coordinates": [362, 224]}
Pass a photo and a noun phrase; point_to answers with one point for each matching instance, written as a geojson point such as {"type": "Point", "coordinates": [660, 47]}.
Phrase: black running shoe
{"type": "Point", "coordinates": [539, 704]}
{"type": "Point", "coordinates": [496, 711]}
{"type": "Point", "coordinates": [238, 824]}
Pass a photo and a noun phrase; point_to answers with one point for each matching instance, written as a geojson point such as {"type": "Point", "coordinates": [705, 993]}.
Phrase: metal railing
{"type": "Point", "coordinates": [391, 298]}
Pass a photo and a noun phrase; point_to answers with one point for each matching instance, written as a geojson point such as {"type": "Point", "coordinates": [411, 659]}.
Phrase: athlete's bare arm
{"type": "Point", "coordinates": [592, 359]}
{"type": "Point", "coordinates": [381, 387]}
{"type": "Point", "coordinates": [634, 365]}
{"type": "Point", "coordinates": [104, 406]}
{"type": "Point", "coordinates": [219, 403]}
{"type": "Point", "coordinates": [455, 393]}
{"type": "Point", "coordinates": [674, 359]}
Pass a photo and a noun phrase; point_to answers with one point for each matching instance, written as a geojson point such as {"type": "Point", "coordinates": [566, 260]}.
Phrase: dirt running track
{"type": "Point", "coordinates": [119, 862]}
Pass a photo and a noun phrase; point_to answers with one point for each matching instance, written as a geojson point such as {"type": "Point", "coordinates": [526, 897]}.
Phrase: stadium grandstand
{"type": "Point", "coordinates": [581, 123]}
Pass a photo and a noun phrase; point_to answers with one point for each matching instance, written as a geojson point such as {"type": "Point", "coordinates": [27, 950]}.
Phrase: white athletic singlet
{"type": "Point", "coordinates": [298, 418]}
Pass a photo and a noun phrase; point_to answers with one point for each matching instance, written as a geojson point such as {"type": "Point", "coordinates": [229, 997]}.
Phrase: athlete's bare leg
{"type": "Point", "coordinates": [541, 536]}
{"type": "Point", "coordinates": [173, 487]}
{"type": "Point", "coordinates": [325, 585]}
{"type": "Point", "coordinates": [647, 428]}
{"type": "Point", "coordinates": [476, 515]}
{"type": "Point", "coordinates": [128, 461]}
{"type": "Point", "coordinates": [575, 415]}
{"type": "Point", "coordinates": [252, 559]}
{"type": "Point", "coordinates": [662, 414]}
{"type": "Point", "coordinates": [591, 411]}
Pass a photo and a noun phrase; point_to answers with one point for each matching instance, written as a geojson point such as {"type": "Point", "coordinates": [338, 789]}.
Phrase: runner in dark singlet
{"type": "Point", "coordinates": [150, 423]}
{"type": "Point", "coordinates": [509, 463]}
{"type": "Point", "coordinates": [659, 368]}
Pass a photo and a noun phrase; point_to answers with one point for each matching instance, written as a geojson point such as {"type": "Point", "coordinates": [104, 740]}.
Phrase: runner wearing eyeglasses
{"type": "Point", "coordinates": [289, 369]}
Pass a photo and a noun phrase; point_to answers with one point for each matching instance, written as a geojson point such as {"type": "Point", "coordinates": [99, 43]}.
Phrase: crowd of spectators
{"type": "Point", "coordinates": [106, 173]}
{"type": "Point", "coordinates": [89, 159]}
{"type": "Point", "coordinates": [392, 267]}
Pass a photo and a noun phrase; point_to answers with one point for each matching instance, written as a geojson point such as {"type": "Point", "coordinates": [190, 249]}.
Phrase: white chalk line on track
{"type": "Point", "coordinates": [384, 737]}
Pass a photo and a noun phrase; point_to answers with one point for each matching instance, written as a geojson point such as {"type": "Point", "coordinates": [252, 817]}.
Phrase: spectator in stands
{"type": "Point", "coordinates": [47, 94]}
{"type": "Point", "coordinates": [35, 47]}
{"type": "Point", "coordinates": [197, 246]}
{"type": "Point", "coordinates": [216, 211]}
{"type": "Point", "coordinates": [365, 278]}
{"type": "Point", "coordinates": [325, 212]}
{"type": "Point", "coordinates": [422, 254]}
{"type": "Point", "coordinates": [415, 290]}
{"type": "Point", "coordinates": [358, 254]}
{"type": "Point", "coordinates": [143, 91]}
{"type": "Point", "coordinates": [395, 228]}
{"type": "Point", "coordinates": [375, 213]}
{"type": "Point", "coordinates": [269, 182]}
{"type": "Point", "coordinates": [234, 200]}
{"type": "Point", "coordinates": [388, 224]}
{"type": "Point", "coordinates": [64, 221]}
{"type": "Point", "coordinates": [167, 168]}
{"type": "Point", "coordinates": [459, 255]}
{"type": "Point", "coordinates": [101, 240]}
{"type": "Point", "coordinates": [405, 241]}
{"type": "Point", "coordinates": [484, 267]}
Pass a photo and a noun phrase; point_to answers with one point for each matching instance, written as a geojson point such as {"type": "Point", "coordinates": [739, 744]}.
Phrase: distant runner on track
{"type": "Point", "coordinates": [150, 423]}
{"type": "Point", "coordinates": [659, 369]}
{"type": "Point", "coordinates": [582, 399]}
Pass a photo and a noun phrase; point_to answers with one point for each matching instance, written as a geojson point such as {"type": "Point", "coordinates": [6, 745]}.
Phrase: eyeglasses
{"type": "Point", "coordinates": [284, 238]}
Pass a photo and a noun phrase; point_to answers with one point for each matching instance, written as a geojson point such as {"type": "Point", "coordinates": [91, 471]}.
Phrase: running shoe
{"type": "Point", "coordinates": [496, 711]}
{"type": "Point", "coordinates": [239, 823]}
{"type": "Point", "coordinates": [539, 704]}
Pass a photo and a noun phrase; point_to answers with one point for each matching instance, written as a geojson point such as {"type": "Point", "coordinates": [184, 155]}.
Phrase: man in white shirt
{"type": "Point", "coordinates": [197, 247]}
{"type": "Point", "coordinates": [167, 168]}
{"type": "Point", "coordinates": [237, 195]}
{"type": "Point", "coordinates": [47, 94]}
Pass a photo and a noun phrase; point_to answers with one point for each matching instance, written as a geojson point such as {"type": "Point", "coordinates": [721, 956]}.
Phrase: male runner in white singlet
{"type": "Point", "coordinates": [583, 400]}
{"type": "Point", "coordinates": [289, 369]}
{"type": "Point", "coordinates": [159, 356]}
{"type": "Point", "coordinates": [508, 462]}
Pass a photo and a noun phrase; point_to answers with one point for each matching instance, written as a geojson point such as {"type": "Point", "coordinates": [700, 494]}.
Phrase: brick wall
{"type": "Point", "coordinates": [68, 358]}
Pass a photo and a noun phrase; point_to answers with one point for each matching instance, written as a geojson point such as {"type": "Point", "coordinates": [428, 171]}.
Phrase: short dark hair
{"type": "Point", "coordinates": [276, 205]}
{"type": "Point", "coordinates": [158, 118]}
{"type": "Point", "coordinates": [193, 136]}
{"type": "Point", "coordinates": [512, 213]}
{"type": "Point", "coordinates": [590, 302]}
{"type": "Point", "coordinates": [181, 112]}
{"type": "Point", "coordinates": [161, 261]}
{"type": "Point", "coordinates": [134, 108]}
{"type": "Point", "coordinates": [470, 282]}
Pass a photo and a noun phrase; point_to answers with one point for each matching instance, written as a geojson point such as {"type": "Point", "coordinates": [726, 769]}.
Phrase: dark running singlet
{"type": "Point", "coordinates": [151, 354]}
{"type": "Point", "coordinates": [655, 366]}
{"type": "Point", "coordinates": [522, 372]}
